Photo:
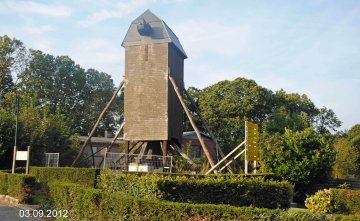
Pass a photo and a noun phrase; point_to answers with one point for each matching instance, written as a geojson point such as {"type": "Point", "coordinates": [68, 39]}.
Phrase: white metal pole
{"type": "Point", "coordinates": [27, 160]}
{"type": "Point", "coordinates": [14, 159]}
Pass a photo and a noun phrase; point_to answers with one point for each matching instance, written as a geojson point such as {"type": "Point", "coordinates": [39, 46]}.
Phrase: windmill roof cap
{"type": "Point", "coordinates": [149, 29]}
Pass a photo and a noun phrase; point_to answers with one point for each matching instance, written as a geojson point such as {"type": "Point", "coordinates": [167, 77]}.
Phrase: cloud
{"type": "Point", "coordinates": [37, 8]}
{"type": "Point", "coordinates": [101, 54]}
{"type": "Point", "coordinates": [119, 10]}
{"type": "Point", "coordinates": [222, 38]}
{"type": "Point", "coordinates": [39, 29]}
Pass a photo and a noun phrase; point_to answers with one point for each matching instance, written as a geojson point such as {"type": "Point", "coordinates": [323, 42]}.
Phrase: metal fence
{"type": "Point", "coordinates": [137, 162]}
{"type": "Point", "coordinates": [51, 159]}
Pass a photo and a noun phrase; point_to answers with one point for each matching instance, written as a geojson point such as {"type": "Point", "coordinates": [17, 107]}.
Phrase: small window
{"type": "Point", "coordinates": [146, 52]}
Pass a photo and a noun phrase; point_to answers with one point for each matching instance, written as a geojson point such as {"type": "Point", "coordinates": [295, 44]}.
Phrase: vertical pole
{"type": "Point", "coordinates": [106, 150]}
{"type": "Point", "coordinates": [246, 170]}
{"type": "Point", "coordinates": [127, 145]}
{"type": "Point", "coordinates": [28, 160]}
{"type": "Point", "coordinates": [164, 147]}
{"type": "Point", "coordinates": [14, 159]}
{"type": "Point", "coordinates": [92, 153]}
{"type": "Point", "coordinates": [255, 166]}
{"type": "Point", "coordinates": [246, 164]}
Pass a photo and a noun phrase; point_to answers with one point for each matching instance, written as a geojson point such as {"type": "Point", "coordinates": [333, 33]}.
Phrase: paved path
{"type": "Point", "coordinates": [11, 213]}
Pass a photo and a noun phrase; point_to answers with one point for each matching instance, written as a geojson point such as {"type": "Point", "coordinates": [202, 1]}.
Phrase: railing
{"type": "Point", "coordinates": [137, 162]}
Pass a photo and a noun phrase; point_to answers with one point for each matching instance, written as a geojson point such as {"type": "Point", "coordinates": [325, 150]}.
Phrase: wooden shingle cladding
{"type": "Point", "coordinates": [176, 115]}
{"type": "Point", "coordinates": [146, 92]}
{"type": "Point", "coordinates": [152, 110]}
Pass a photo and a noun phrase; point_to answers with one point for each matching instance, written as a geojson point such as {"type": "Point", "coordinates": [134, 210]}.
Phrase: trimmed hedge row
{"type": "Point", "coordinates": [236, 191]}
{"type": "Point", "coordinates": [84, 176]}
{"type": "Point", "coordinates": [20, 186]}
{"type": "Point", "coordinates": [334, 201]}
{"type": "Point", "coordinates": [97, 204]}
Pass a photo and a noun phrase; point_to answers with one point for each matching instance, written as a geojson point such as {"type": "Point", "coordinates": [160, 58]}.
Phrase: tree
{"type": "Point", "coordinates": [12, 60]}
{"type": "Point", "coordinates": [59, 83]}
{"type": "Point", "coordinates": [301, 157]}
{"type": "Point", "coordinates": [227, 104]}
{"type": "Point", "coordinates": [346, 164]}
{"type": "Point", "coordinates": [326, 121]}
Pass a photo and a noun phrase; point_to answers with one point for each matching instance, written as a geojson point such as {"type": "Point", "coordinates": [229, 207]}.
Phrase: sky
{"type": "Point", "coordinates": [308, 47]}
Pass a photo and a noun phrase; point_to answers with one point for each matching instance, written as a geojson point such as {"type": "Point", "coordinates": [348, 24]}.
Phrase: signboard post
{"type": "Point", "coordinates": [251, 144]}
{"type": "Point", "coordinates": [21, 156]}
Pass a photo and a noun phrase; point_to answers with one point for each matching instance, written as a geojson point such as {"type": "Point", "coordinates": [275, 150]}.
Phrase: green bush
{"type": "Point", "coordinates": [335, 201]}
{"type": "Point", "coordinates": [320, 202]}
{"type": "Point", "coordinates": [20, 186]}
{"type": "Point", "coordinates": [84, 176]}
{"type": "Point", "coordinates": [347, 201]}
{"type": "Point", "coordinates": [236, 191]}
{"type": "Point", "coordinates": [85, 203]}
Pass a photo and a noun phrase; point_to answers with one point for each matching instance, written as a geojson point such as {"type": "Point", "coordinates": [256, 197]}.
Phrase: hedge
{"type": "Point", "coordinates": [84, 176]}
{"type": "Point", "coordinates": [236, 191]}
{"type": "Point", "coordinates": [335, 201]}
{"type": "Point", "coordinates": [20, 186]}
{"type": "Point", "coordinates": [85, 203]}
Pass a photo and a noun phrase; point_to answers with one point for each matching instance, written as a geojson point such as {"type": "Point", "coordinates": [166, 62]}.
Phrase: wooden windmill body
{"type": "Point", "coordinates": [152, 110]}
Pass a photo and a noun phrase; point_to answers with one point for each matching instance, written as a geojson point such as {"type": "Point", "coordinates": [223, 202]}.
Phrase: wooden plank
{"type": "Point", "coordinates": [205, 149]}
{"type": "Point", "coordinates": [182, 154]}
{"type": "Point", "coordinates": [219, 163]}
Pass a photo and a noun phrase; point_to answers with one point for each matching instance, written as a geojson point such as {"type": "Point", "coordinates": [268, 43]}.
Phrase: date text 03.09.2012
{"type": "Point", "coordinates": [43, 213]}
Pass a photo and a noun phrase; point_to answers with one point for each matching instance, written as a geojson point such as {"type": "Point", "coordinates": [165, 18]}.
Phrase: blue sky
{"type": "Point", "coordinates": [309, 47]}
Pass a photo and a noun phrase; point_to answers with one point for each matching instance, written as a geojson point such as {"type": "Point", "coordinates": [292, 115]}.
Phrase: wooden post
{"type": "Point", "coordinates": [98, 121]}
{"type": "Point", "coordinates": [28, 160]}
{"type": "Point", "coordinates": [14, 160]}
{"type": "Point", "coordinates": [127, 145]}
{"type": "Point", "coordinates": [104, 159]}
{"type": "Point", "coordinates": [208, 130]}
{"type": "Point", "coordinates": [92, 153]}
{"type": "Point", "coordinates": [206, 151]}
{"type": "Point", "coordinates": [246, 169]}
{"type": "Point", "coordinates": [164, 147]}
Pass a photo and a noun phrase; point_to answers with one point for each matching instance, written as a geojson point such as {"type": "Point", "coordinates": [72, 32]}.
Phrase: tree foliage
{"type": "Point", "coordinates": [60, 84]}
{"type": "Point", "coordinates": [12, 60]}
{"type": "Point", "coordinates": [227, 104]}
{"type": "Point", "coordinates": [347, 163]}
{"type": "Point", "coordinates": [58, 101]}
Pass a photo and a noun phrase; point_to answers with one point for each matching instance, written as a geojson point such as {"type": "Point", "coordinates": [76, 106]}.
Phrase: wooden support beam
{"type": "Point", "coordinates": [218, 164]}
{"type": "Point", "coordinates": [121, 85]}
{"type": "Point", "coordinates": [92, 153]}
{"type": "Point", "coordinates": [135, 147]}
{"type": "Point", "coordinates": [205, 149]}
{"type": "Point", "coordinates": [232, 160]}
{"type": "Point", "coordinates": [116, 136]}
{"type": "Point", "coordinates": [208, 130]}
{"type": "Point", "coordinates": [127, 145]}
{"type": "Point", "coordinates": [164, 147]}
{"type": "Point", "coordinates": [182, 154]}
